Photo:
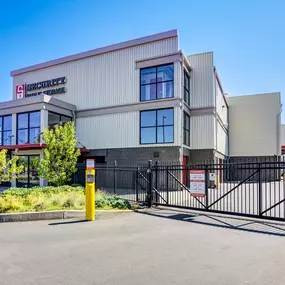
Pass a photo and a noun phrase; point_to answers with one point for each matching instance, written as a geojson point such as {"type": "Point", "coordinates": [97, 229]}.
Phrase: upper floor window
{"type": "Point", "coordinates": [55, 119]}
{"type": "Point", "coordinates": [157, 82]}
{"type": "Point", "coordinates": [6, 130]}
{"type": "Point", "coordinates": [157, 126]}
{"type": "Point", "coordinates": [186, 129]}
{"type": "Point", "coordinates": [186, 88]}
{"type": "Point", "coordinates": [28, 127]}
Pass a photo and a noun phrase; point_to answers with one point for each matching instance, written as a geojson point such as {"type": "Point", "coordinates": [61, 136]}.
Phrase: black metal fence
{"type": "Point", "coordinates": [253, 188]}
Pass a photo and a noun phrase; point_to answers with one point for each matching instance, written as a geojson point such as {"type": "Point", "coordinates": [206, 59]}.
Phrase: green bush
{"type": "Point", "coordinates": [24, 192]}
{"type": "Point", "coordinates": [55, 198]}
{"type": "Point", "coordinates": [109, 201]}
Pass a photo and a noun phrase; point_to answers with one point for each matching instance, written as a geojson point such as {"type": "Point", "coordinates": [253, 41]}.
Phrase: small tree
{"type": "Point", "coordinates": [9, 168]}
{"type": "Point", "coordinates": [60, 154]}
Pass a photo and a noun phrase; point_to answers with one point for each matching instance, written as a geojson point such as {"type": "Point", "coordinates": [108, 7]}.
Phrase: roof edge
{"type": "Point", "coordinates": [97, 51]}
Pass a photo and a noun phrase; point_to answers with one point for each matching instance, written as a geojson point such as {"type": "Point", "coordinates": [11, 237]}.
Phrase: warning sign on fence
{"type": "Point", "coordinates": [197, 183]}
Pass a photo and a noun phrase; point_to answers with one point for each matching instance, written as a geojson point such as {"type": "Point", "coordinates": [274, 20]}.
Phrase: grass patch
{"type": "Point", "coordinates": [56, 198]}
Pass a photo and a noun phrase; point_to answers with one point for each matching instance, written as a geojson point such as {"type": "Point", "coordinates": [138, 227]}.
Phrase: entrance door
{"type": "Point", "coordinates": [29, 177]}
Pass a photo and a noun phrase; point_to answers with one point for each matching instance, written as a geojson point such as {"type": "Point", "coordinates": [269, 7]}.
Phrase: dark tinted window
{"type": "Point", "coordinates": [157, 82]}
{"type": "Point", "coordinates": [157, 126]}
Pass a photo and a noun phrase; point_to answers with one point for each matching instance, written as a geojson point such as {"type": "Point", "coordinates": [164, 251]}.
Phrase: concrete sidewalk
{"type": "Point", "coordinates": [151, 247]}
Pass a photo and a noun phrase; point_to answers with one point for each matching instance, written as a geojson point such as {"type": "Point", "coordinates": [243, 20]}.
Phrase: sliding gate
{"type": "Point", "coordinates": [247, 189]}
{"type": "Point", "coordinates": [254, 189]}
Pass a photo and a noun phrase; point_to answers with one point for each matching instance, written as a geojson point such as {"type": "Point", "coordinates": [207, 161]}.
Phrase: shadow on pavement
{"type": "Point", "coordinates": [214, 220]}
{"type": "Point", "coordinates": [67, 222]}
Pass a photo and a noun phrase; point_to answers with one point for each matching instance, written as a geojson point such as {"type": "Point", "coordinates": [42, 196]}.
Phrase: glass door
{"type": "Point", "coordinates": [29, 177]}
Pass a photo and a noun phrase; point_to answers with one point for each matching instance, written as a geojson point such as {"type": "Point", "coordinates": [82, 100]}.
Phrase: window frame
{"type": "Point", "coordinates": [60, 115]}
{"type": "Point", "coordinates": [185, 130]}
{"type": "Point", "coordinates": [156, 126]}
{"type": "Point", "coordinates": [156, 82]}
{"type": "Point", "coordinates": [186, 88]}
{"type": "Point", "coordinates": [28, 128]}
{"type": "Point", "coordinates": [3, 131]}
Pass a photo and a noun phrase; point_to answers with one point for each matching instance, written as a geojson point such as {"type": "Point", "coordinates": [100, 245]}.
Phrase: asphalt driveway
{"type": "Point", "coordinates": [153, 247]}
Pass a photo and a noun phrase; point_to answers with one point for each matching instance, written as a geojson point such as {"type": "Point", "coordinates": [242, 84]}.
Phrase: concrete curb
{"type": "Point", "coordinates": [54, 215]}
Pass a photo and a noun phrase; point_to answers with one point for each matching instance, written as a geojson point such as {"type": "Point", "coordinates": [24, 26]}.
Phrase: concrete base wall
{"type": "Point", "coordinates": [201, 155]}
{"type": "Point", "coordinates": [132, 156]}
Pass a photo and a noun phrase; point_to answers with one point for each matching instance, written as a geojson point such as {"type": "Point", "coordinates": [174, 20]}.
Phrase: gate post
{"type": "Point", "coordinates": [115, 178]}
{"type": "Point", "coordinates": [150, 185]}
{"type": "Point", "coordinates": [259, 191]}
{"type": "Point", "coordinates": [137, 183]}
{"type": "Point", "coordinates": [167, 186]}
{"type": "Point", "coordinates": [156, 181]}
{"type": "Point", "coordinates": [206, 186]}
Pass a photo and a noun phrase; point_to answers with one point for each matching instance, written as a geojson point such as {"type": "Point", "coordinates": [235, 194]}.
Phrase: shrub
{"type": "Point", "coordinates": [24, 192]}
{"type": "Point", "coordinates": [55, 198]}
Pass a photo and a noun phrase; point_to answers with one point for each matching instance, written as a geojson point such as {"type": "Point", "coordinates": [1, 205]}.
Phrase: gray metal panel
{"type": "Point", "coordinates": [58, 110]}
{"type": "Point", "coordinates": [121, 130]}
{"type": "Point", "coordinates": [103, 80]}
{"type": "Point", "coordinates": [202, 80]}
{"type": "Point", "coordinates": [157, 104]}
{"type": "Point", "coordinates": [202, 132]}
{"type": "Point", "coordinates": [174, 57]}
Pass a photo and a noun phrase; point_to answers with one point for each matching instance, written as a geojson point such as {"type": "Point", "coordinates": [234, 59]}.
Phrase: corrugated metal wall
{"type": "Point", "coordinates": [222, 121]}
{"type": "Point", "coordinates": [202, 80]}
{"type": "Point", "coordinates": [202, 132]}
{"type": "Point", "coordinates": [118, 130]}
{"type": "Point", "coordinates": [222, 140]}
{"type": "Point", "coordinates": [105, 80]}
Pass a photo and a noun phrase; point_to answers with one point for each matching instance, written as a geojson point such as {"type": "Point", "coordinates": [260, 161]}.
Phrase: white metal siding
{"type": "Point", "coordinates": [222, 121]}
{"type": "Point", "coordinates": [222, 140]}
{"type": "Point", "coordinates": [282, 135]}
{"type": "Point", "coordinates": [202, 80]}
{"type": "Point", "coordinates": [221, 107]}
{"type": "Point", "coordinates": [121, 130]}
{"type": "Point", "coordinates": [104, 80]}
{"type": "Point", "coordinates": [202, 132]}
{"type": "Point", "coordinates": [254, 125]}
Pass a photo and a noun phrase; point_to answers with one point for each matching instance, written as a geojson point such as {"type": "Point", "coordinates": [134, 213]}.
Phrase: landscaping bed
{"type": "Point", "coordinates": [39, 199]}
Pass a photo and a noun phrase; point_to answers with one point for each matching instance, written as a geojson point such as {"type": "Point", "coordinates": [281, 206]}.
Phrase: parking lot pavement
{"type": "Point", "coordinates": [159, 246]}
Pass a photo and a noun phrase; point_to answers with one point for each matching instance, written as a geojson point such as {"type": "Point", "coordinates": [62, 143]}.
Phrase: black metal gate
{"type": "Point", "coordinates": [247, 189]}
{"type": "Point", "coordinates": [254, 189]}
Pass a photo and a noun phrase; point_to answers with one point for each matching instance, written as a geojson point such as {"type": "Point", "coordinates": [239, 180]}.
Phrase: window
{"type": "Point", "coordinates": [5, 130]}
{"type": "Point", "coordinates": [157, 82]}
{"type": "Point", "coordinates": [28, 128]}
{"type": "Point", "coordinates": [186, 88]}
{"type": "Point", "coordinates": [55, 119]}
{"type": "Point", "coordinates": [157, 126]}
{"type": "Point", "coordinates": [186, 129]}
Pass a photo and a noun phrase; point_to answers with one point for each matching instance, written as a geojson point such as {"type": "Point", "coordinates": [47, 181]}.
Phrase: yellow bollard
{"type": "Point", "coordinates": [90, 194]}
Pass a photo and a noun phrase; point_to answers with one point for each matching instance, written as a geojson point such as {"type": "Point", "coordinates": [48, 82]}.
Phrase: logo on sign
{"type": "Point", "coordinates": [20, 91]}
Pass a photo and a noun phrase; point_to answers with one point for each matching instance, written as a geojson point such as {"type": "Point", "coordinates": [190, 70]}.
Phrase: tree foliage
{"type": "Point", "coordinates": [9, 168]}
{"type": "Point", "coordinates": [60, 154]}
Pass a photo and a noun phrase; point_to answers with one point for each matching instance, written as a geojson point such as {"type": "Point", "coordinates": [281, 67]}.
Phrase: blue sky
{"type": "Point", "coordinates": [247, 37]}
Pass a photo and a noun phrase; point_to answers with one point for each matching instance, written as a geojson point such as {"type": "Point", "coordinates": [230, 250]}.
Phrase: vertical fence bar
{"type": "Point", "coordinates": [167, 186]}
{"type": "Point", "coordinates": [156, 182]}
{"type": "Point", "coordinates": [206, 187]}
{"type": "Point", "coordinates": [150, 185]}
{"type": "Point", "coordinates": [137, 183]}
{"type": "Point", "coordinates": [115, 182]}
{"type": "Point", "coordinates": [260, 192]}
